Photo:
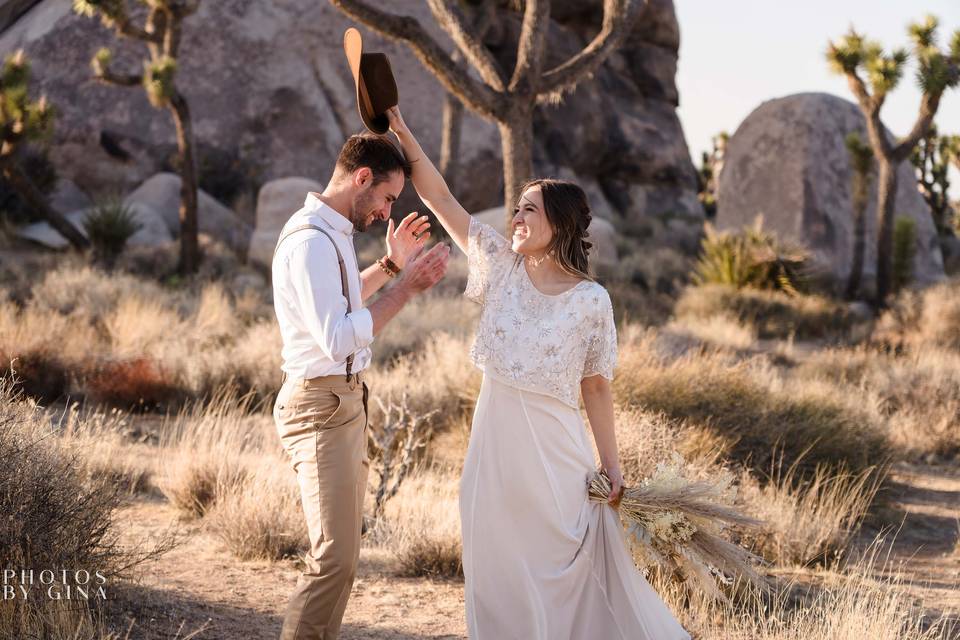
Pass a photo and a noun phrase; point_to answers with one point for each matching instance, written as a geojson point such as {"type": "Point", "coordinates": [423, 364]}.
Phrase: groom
{"type": "Point", "coordinates": [321, 409]}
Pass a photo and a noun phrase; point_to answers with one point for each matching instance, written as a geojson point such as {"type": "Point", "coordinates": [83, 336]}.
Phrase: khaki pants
{"type": "Point", "coordinates": [322, 426]}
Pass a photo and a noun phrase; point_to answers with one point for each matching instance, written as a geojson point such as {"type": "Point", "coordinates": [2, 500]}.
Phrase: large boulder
{"type": "Point", "coordinates": [279, 199]}
{"type": "Point", "coordinates": [601, 235]}
{"type": "Point", "coordinates": [276, 202]}
{"type": "Point", "coordinates": [268, 85]}
{"type": "Point", "coordinates": [153, 230]}
{"type": "Point", "coordinates": [162, 193]}
{"type": "Point", "coordinates": [788, 162]}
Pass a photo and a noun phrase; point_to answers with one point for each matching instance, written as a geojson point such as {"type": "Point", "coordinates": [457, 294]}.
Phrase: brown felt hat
{"type": "Point", "coordinates": [373, 78]}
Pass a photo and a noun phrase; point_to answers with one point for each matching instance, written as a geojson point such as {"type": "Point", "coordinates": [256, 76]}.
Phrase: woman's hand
{"type": "Point", "coordinates": [397, 125]}
{"type": "Point", "coordinates": [407, 238]}
{"type": "Point", "coordinates": [616, 485]}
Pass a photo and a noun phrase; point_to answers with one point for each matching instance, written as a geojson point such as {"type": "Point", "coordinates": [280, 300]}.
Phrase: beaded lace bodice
{"type": "Point", "coordinates": [538, 342]}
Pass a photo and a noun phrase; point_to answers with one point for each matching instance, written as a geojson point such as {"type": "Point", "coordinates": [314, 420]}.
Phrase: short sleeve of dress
{"type": "Point", "coordinates": [487, 250]}
{"type": "Point", "coordinates": [602, 345]}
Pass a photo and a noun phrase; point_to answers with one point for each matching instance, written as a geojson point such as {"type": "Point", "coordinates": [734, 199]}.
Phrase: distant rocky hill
{"type": "Point", "coordinates": [271, 96]}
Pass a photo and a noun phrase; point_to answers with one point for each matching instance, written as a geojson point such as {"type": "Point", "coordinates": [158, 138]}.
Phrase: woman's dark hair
{"type": "Point", "coordinates": [568, 213]}
{"type": "Point", "coordinates": [374, 152]}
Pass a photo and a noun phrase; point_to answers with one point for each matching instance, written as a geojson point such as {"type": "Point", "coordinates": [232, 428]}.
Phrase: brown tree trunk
{"type": "Point", "coordinates": [516, 142]}
{"type": "Point", "coordinates": [886, 201]}
{"type": "Point", "coordinates": [189, 247]}
{"type": "Point", "coordinates": [25, 188]}
{"type": "Point", "coordinates": [450, 143]}
{"type": "Point", "coordinates": [860, 199]}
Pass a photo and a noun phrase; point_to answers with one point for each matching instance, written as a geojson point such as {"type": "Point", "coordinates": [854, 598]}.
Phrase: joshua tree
{"type": "Point", "coordinates": [932, 157]}
{"type": "Point", "coordinates": [508, 100]}
{"type": "Point", "coordinates": [938, 70]}
{"type": "Point", "coordinates": [23, 120]}
{"type": "Point", "coordinates": [482, 20]}
{"type": "Point", "coordinates": [861, 158]}
{"type": "Point", "coordinates": [161, 33]}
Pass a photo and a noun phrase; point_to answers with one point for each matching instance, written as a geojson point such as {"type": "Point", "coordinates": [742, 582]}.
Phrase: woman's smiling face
{"type": "Point", "coordinates": [532, 232]}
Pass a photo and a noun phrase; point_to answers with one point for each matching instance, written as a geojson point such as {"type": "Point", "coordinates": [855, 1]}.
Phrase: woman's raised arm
{"type": "Point", "coordinates": [429, 184]}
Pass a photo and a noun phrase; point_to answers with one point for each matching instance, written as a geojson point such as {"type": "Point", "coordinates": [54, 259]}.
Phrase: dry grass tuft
{"type": "Point", "coordinates": [811, 521]}
{"type": "Point", "coordinates": [849, 604]}
{"type": "Point", "coordinates": [261, 517]}
{"type": "Point", "coordinates": [210, 451]}
{"type": "Point", "coordinates": [719, 331]}
{"type": "Point", "coordinates": [421, 525]}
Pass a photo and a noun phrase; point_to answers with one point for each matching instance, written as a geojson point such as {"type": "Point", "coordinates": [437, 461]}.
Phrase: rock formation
{"type": "Point", "coordinates": [787, 162]}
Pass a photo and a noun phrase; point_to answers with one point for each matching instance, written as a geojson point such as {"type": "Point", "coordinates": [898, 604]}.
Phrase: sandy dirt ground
{"type": "Point", "coordinates": [200, 586]}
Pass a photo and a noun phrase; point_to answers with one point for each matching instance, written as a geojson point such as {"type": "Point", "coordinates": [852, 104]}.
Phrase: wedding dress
{"type": "Point", "coordinates": [541, 561]}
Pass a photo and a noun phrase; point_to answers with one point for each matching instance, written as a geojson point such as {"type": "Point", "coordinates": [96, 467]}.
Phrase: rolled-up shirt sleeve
{"type": "Point", "coordinates": [315, 276]}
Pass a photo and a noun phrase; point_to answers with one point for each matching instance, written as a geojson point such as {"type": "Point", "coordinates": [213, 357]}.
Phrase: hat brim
{"type": "Point", "coordinates": [370, 71]}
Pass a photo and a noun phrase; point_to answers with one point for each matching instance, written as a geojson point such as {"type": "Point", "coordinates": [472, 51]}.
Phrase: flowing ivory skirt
{"type": "Point", "coordinates": [541, 561]}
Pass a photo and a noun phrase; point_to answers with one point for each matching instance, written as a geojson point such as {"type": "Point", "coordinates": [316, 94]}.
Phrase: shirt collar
{"type": "Point", "coordinates": [319, 208]}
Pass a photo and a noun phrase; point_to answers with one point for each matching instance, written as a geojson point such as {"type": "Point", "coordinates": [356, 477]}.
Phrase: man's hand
{"type": "Point", "coordinates": [425, 269]}
{"type": "Point", "coordinates": [408, 237]}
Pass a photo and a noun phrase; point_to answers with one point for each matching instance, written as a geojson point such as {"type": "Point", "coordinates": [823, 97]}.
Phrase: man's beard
{"type": "Point", "coordinates": [360, 211]}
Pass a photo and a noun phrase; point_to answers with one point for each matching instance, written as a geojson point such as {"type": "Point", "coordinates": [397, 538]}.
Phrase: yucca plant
{"type": "Point", "coordinates": [161, 33]}
{"type": "Point", "coordinates": [872, 73]}
{"type": "Point", "coordinates": [751, 258]}
{"type": "Point", "coordinates": [109, 226]}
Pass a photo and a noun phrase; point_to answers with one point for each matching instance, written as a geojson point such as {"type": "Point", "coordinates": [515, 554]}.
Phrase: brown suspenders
{"type": "Point", "coordinates": [343, 273]}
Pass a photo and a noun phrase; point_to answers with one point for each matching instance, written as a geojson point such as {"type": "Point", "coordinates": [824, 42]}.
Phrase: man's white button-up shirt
{"type": "Point", "coordinates": [318, 333]}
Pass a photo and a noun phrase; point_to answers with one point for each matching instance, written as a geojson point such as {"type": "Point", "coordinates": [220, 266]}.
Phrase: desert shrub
{"type": "Point", "coordinates": [927, 318]}
{"type": "Point", "coordinates": [904, 250]}
{"type": "Point", "coordinates": [421, 526]}
{"type": "Point", "coordinates": [261, 518]}
{"type": "Point", "coordinates": [135, 383]}
{"type": "Point", "coordinates": [54, 517]}
{"type": "Point", "coordinates": [918, 389]}
{"type": "Point", "coordinates": [42, 349]}
{"type": "Point", "coordinates": [752, 258]}
{"type": "Point", "coordinates": [747, 405]}
{"type": "Point", "coordinates": [773, 313]}
{"type": "Point", "coordinates": [109, 226]}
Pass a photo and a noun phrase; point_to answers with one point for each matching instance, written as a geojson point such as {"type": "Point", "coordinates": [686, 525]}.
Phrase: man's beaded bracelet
{"type": "Point", "coordinates": [388, 266]}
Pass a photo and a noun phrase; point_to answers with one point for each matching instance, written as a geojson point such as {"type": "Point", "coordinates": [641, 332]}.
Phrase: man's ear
{"type": "Point", "coordinates": [362, 176]}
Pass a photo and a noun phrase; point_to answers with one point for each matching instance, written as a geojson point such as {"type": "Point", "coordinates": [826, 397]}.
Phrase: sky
{"type": "Point", "coordinates": [736, 54]}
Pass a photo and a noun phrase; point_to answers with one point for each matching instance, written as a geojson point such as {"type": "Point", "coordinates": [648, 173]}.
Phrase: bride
{"type": "Point", "coordinates": [540, 560]}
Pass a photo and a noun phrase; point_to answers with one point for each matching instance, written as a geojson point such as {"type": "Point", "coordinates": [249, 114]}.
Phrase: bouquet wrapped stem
{"type": "Point", "coordinates": [680, 525]}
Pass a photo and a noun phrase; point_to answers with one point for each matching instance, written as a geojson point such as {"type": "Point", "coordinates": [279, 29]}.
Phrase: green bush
{"type": "Point", "coordinates": [751, 258]}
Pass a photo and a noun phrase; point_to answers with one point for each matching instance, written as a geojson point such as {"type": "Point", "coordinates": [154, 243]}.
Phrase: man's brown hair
{"type": "Point", "coordinates": [374, 152]}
